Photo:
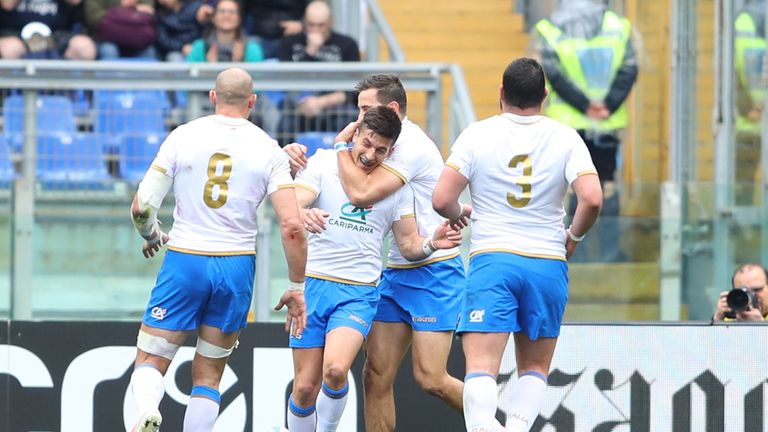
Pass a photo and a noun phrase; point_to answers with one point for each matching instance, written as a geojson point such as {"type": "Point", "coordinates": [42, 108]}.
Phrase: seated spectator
{"type": "Point", "coordinates": [225, 41]}
{"type": "Point", "coordinates": [122, 28]}
{"type": "Point", "coordinates": [58, 33]}
{"type": "Point", "coordinates": [317, 112]}
{"type": "Point", "coordinates": [178, 25]}
{"type": "Point", "coordinates": [270, 20]}
{"type": "Point", "coordinates": [748, 298]}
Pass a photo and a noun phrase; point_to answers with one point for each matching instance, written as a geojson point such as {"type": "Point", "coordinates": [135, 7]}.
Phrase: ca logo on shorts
{"type": "Point", "coordinates": [158, 312]}
{"type": "Point", "coordinates": [477, 315]}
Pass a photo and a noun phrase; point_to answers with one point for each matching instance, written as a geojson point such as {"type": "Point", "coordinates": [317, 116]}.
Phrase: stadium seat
{"type": "Point", "coordinates": [136, 154]}
{"type": "Point", "coordinates": [55, 114]}
{"type": "Point", "coordinates": [6, 164]}
{"type": "Point", "coordinates": [71, 161]}
{"type": "Point", "coordinates": [119, 112]}
{"type": "Point", "coordinates": [316, 140]}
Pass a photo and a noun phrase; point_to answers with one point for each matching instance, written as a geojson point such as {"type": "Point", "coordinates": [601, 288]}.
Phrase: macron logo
{"type": "Point", "coordinates": [477, 315]}
{"type": "Point", "coordinates": [158, 313]}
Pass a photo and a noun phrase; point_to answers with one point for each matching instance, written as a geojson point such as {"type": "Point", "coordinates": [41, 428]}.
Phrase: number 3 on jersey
{"type": "Point", "coordinates": [219, 180]}
{"type": "Point", "coordinates": [524, 181]}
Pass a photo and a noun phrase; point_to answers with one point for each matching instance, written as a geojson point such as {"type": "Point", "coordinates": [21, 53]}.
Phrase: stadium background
{"type": "Point", "coordinates": [69, 258]}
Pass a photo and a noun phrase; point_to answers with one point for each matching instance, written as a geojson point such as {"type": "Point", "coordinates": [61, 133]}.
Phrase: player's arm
{"type": "Point", "coordinates": [364, 189]}
{"type": "Point", "coordinates": [589, 200]}
{"type": "Point", "coordinates": [445, 198]}
{"type": "Point", "coordinates": [414, 247]}
{"type": "Point", "coordinates": [313, 218]}
{"type": "Point", "coordinates": [295, 246]}
{"type": "Point", "coordinates": [149, 196]}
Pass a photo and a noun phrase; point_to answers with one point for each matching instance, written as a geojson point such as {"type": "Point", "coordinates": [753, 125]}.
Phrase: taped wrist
{"type": "Point", "coordinates": [428, 247]}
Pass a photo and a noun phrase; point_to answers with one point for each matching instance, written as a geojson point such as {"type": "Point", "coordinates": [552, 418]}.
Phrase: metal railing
{"type": "Point", "coordinates": [32, 78]}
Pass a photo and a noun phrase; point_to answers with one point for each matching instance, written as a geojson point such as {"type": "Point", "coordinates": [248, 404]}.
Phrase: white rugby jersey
{"type": "Point", "coordinates": [222, 168]}
{"type": "Point", "coordinates": [519, 169]}
{"type": "Point", "coordinates": [349, 250]}
{"type": "Point", "coordinates": [416, 160]}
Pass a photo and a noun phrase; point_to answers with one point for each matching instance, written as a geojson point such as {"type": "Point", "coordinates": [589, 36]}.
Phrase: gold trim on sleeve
{"type": "Point", "coordinates": [159, 168]}
{"type": "Point", "coordinates": [453, 165]}
{"type": "Point", "coordinates": [395, 172]}
{"type": "Point", "coordinates": [305, 187]}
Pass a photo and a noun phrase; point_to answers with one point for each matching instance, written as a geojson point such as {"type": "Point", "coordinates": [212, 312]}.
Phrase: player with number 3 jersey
{"type": "Point", "coordinates": [519, 165]}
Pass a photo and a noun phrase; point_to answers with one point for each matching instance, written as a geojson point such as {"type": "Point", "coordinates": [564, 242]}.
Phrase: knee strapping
{"type": "Point", "coordinates": [156, 345]}
{"type": "Point", "coordinates": [207, 349]}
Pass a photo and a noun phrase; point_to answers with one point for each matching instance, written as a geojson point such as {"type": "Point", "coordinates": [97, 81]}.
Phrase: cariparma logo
{"type": "Point", "coordinates": [356, 214]}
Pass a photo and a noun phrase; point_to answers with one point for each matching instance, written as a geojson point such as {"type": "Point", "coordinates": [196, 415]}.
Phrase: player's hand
{"type": "Point", "coordinates": [463, 220]}
{"type": "Point", "coordinates": [314, 219]}
{"type": "Point", "coordinates": [297, 156]}
{"type": "Point", "coordinates": [156, 241]}
{"type": "Point", "coordinates": [722, 307]}
{"type": "Point", "coordinates": [570, 247]}
{"type": "Point", "coordinates": [310, 106]}
{"type": "Point", "coordinates": [446, 237]}
{"type": "Point", "coordinates": [296, 320]}
{"type": "Point", "coordinates": [348, 132]}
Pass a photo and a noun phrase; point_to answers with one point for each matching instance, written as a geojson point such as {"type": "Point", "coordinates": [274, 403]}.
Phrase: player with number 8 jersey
{"type": "Point", "coordinates": [221, 167]}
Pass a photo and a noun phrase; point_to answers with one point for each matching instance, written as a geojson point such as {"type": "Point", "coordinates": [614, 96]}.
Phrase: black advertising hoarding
{"type": "Point", "coordinates": [73, 377]}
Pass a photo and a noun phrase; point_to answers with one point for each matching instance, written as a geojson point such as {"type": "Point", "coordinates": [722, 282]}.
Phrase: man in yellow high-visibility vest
{"type": "Point", "coordinates": [591, 66]}
{"type": "Point", "coordinates": [749, 57]}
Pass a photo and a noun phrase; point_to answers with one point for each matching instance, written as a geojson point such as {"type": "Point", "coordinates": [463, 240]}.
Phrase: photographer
{"type": "Point", "coordinates": [741, 305]}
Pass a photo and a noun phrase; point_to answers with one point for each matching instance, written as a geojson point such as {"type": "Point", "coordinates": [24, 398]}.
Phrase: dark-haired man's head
{"type": "Point", "coordinates": [523, 84]}
{"type": "Point", "coordinates": [378, 131]}
{"type": "Point", "coordinates": [382, 89]}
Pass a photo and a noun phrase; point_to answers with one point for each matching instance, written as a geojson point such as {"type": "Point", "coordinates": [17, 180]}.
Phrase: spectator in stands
{"type": "Point", "coordinates": [225, 41]}
{"type": "Point", "coordinates": [749, 51]}
{"type": "Point", "coordinates": [60, 29]}
{"type": "Point", "coordinates": [578, 45]}
{"type": "Point", "coordinates": [270, 20]}
{"type": "Point", "coordinates": [122, 28]}
{"type": "Point", "coordinates": [318, 43]}
{"type": "Point", "coordinates": [179, 23]}
{"type": "Point", "coordinates": [753, 277]}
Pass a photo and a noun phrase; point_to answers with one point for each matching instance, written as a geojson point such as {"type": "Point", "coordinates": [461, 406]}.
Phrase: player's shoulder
{"type": "Point", "coordinates": [560, 131]}
{"type": "Point", "coordinates": [413, 143]}
{"type": "Point", "coordinates": [323, 158]}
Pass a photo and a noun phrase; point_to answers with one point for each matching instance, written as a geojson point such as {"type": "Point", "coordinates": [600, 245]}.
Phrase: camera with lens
{"type": "Point", "coordinates": [741, 298]}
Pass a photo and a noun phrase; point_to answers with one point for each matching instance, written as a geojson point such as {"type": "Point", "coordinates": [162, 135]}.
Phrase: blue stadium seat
{"type": "Point", "coordinates": [6, 165]}
{"type": "Point", "coordinates": [137, 151]}
{"type": "Point", "coordinates": [119, 112]}
{"type": "Point", "coordinates": [55, 114]}
{"type": "Point", "coordinates": [316, 140]}
{"type": "Point", "coordinates": [73, 161]}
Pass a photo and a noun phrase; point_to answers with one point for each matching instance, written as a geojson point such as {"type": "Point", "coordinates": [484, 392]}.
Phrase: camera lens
{"type": "Point", "coordinates": [738, 299]}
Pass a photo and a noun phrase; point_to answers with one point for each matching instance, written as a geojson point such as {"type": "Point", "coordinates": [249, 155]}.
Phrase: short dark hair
{"type": "Point", "coordinates": [388, 87]}
{"type": "Point", "coordinates": [523, 83]}
{"type": "Point", "coordinates": [745, 267]}
{"type": "Point", "coordinates": [383, 121]}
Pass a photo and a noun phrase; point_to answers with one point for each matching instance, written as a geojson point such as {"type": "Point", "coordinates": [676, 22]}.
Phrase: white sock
{"type": "Point", "coordinates": [480, 402]}
{"type": "Point", "coordinates": [527, 396]}
{"type": "Point", "coordinates": [330, 407]}
{"type": "Point", "coordinates": [202, 409]}
{"type": "Point", "coordinates": [301, 419]}
{"type": "Point", "coordinates": [147, 387]}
